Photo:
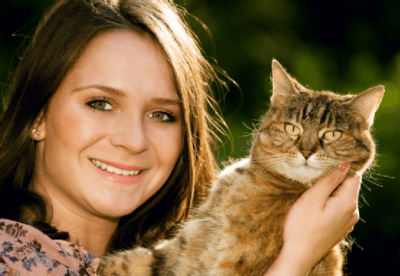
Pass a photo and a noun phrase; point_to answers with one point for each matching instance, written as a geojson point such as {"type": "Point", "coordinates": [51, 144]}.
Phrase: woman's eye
{"type": "Point", "coordinates": [333, 135]}
{"type": "Point", "coordinates": [100, 105]}
{"type": "Point", "coordinates": [162, 116]}
{"type": "Point", "coordinates": [292, 130]}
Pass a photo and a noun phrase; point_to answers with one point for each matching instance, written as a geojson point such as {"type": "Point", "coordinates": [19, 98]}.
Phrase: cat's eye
{"type": "Point", "coordinates": [292, 130]}
{"type": "Point", "coordinates": [333, 135]}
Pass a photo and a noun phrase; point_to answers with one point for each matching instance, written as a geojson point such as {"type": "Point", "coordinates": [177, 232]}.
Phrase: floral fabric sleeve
{"type": "Point", "coordinates": [25, 250]}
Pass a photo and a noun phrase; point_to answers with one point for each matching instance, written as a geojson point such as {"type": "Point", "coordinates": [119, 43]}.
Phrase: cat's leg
{"type": "Point", "coordinates": [330, 265]}
{"type": "Point", "coordinates": [239, 268]}
{"type": "Point", "coordinates": [241, 257]}
{"type": "Point", "coordinates": [135, 262]}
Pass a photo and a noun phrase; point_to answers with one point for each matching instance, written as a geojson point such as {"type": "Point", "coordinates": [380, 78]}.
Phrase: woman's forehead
{"type": "Point", "coordinates": [125, 61]}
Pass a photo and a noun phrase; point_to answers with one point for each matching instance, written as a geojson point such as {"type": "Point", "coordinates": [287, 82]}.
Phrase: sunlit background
{"type": "Point", "coordinates": [342, 46]}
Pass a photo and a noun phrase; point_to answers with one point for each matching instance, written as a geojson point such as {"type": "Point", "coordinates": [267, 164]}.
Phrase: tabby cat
{"type": "Point", "coordinates": [238, 230]}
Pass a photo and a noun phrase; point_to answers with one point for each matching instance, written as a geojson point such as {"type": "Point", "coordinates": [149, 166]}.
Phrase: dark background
{"type": "Point", "coordinates": [342, 46]}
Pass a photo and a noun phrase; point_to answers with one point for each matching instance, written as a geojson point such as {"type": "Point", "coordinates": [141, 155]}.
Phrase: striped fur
{"type": "Point", "coordinates": [238, 230]}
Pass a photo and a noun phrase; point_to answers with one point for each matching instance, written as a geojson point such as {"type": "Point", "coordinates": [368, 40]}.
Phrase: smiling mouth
{"type": "Point", "coordinates": [108, 168]}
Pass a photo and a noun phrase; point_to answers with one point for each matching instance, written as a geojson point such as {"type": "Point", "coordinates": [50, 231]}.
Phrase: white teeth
{"type": "Point", "coordinates": [117, 171]}
{"type": "Point", "coordinates": [111, 169]}
{"type": "Point", "coordinates": [125, 172]}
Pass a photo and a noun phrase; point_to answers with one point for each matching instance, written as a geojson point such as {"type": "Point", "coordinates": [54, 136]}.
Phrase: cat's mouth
{"type": "Point", "coordinates": [305, 173]}
{"type": "Point", "coordinates": [307, 164]}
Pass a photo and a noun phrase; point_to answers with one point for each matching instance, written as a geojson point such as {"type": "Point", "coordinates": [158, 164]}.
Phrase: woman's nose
{"type": "Point", "coordinates": [130, 133]}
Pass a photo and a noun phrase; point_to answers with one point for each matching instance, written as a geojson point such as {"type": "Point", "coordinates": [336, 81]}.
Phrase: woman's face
{"type": "Point", "coordinates": [116, 110]}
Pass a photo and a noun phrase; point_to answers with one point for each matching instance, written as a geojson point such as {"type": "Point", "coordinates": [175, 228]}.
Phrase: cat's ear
{"type": "Point", "coordinates": [283, 87]}
{"type": "Point", "coordinates": [366, 103]}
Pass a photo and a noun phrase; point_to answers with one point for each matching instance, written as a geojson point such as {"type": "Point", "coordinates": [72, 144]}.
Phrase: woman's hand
{"type": "Point", "coordinates": [318, 221]}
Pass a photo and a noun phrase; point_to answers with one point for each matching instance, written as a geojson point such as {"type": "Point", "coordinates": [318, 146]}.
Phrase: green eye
{"type": "Point", "coordinates": [162, 117]}
{"type": "Point", "coordinates": [100, 104]}
{"type": "Point", "coordinates": [292, 130]}
{"type": "Point", "coordinates": [333, 135]}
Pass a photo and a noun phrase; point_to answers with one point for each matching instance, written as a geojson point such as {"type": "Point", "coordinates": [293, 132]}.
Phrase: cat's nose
{"type": "Point", "coordinates": [306, 153]}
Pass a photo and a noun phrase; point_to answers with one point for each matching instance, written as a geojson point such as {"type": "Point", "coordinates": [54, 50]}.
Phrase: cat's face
{"type": "Point", "coordinates": [309, 133]}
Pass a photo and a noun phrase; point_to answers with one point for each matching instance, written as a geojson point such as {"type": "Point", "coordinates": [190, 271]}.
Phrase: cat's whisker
{"type": "Point", "coordinates": [252, 129]}
{"type": "Point", "coordinates": [361, 195]}
{"type": "Point", "coordinates": [268, 161]}
{"type": "Point", "coordinates": [373, 182]}
{"type": "Point", "coordinates": [368, 176]}
{"type": "Point", "coordinates": [246, 135]}
{"type": "Point", "coordinates": [274, 156]}
{"type": "Point", "coordinates": [364, 185]}
{"type": "Point", "coordinates": [382, 175]}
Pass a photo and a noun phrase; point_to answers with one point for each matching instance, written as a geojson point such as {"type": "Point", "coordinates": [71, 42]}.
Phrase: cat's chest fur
{"type": "Point", "coordinates": [248, 207]}
{"type": "Point", "coordinates": [239, 228]}
{"type": "Point", "coordinates": [243, 190]}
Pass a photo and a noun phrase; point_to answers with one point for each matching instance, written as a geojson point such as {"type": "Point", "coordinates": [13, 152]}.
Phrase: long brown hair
{"type": "Point", "coordinates": [60, 39]}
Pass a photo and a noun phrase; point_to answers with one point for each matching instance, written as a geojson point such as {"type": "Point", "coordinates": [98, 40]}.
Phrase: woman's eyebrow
{"type": "Point", "coordinates": [107, 89]}
{"type": "Point", "coordinates": [119, 93]}
{"type": "Point", "coordinates": [166, 101]}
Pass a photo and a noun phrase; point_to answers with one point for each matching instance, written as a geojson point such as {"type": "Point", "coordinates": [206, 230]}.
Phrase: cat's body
{"type": "Point", "coordinates": [239, 229]}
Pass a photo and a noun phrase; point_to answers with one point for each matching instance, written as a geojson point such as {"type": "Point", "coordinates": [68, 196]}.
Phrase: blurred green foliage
{"type": "Point", "coordinates": [342, 46]}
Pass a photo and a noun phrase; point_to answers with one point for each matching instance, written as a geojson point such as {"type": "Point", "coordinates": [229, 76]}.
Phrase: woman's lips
{"type": "Point", "coordinates": [117, 172]}
{"type": "Point", "coordinates": [120, 166]}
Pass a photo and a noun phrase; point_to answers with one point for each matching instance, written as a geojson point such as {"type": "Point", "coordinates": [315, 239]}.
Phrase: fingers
{"type": "Point", "coordinates": [347, 196]}
{"type": "Point", "coordinates": [344, 201]}
{"type": "Point", "coordinates": [350, 187]}
{"type": "Point", "coordinates": [324, 187]}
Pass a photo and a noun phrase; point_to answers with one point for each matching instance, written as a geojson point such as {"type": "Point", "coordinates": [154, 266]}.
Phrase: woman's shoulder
{"type": "Point", "coordinates": [24, 250]}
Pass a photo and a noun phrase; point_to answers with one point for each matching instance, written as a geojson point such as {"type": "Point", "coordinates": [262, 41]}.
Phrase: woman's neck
{"type": "Point", "coordinates": [92, 233]}
{"type": "Point", "coordinates": [86, 229]}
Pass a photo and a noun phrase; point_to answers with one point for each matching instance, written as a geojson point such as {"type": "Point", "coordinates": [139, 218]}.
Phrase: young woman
{"type": "Point", "coordinates": [106, 140]}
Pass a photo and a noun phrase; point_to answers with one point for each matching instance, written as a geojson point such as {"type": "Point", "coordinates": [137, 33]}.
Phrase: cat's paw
{"type": "Point", "coordinates": [136, 262]}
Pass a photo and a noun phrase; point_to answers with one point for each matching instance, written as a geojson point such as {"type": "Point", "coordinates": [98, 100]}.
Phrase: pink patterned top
{"type": "Point", "coordinates": [25, 250]}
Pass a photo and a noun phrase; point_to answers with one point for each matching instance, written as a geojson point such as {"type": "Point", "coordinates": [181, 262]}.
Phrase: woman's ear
{"type": "Point", "coordinates": [38, 130]}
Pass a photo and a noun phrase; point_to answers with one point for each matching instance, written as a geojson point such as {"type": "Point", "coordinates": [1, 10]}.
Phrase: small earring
{"type": "Point", "coordinates": [35, 133]}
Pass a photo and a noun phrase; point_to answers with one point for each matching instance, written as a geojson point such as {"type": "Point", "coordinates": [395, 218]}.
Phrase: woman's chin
{"type": "Point", "coordinates": [113, 208]}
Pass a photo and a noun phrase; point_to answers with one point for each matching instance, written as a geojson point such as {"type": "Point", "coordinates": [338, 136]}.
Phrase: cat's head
{"type": "Point", "coordinates": [307, 133]}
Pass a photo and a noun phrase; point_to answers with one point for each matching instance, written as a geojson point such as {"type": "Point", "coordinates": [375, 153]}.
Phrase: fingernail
{"type": "Point", "coordinates": [344, 166]}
